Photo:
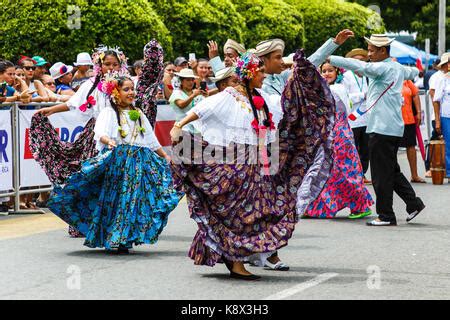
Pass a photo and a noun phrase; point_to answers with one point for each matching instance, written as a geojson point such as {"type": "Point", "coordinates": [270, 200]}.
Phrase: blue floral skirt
{"type": "Point", "coordinates": [121, 197]}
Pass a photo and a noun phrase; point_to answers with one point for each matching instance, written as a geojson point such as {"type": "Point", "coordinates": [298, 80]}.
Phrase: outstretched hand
{"type": "Point", "coordinates": [343, 36]}
{"type": "Point", "coordinates": [213, 49]}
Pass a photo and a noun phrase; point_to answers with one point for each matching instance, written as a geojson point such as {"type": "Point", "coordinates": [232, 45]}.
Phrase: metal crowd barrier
{"type": "Point", "coordinates": [17, 189]}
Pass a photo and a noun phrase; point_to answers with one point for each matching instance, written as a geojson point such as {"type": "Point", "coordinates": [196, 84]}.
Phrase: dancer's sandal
{"type": "Point", "coordinates": [279, 266]}
{"type": "Point", "coordinates": [360, 215]}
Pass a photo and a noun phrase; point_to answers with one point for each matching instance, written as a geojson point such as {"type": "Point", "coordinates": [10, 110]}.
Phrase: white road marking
{"type": "Point", "coordinates": [301, 287]}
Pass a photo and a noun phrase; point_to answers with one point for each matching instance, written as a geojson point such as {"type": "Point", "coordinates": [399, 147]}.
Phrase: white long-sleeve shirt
{"type": "Point", "coordinates": [357, 90]}
{"type": "Point", "coordinates": [107, 125]}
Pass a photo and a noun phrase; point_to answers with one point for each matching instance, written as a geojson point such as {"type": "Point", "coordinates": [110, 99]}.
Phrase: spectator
{"type": "Point", "coordinates": [442, 66]}
{"type": "Point", "coordinates": [41, 67]}
{"type": "Point", "coordinates": [62, 74]}
{"type": "Point", "coordinates": [202, 70]}
{"type": "Point", "coordinates": [429, 73]}
{"type": "Point", "coordinates": [50, 85]}
{"type": "Point", "coordinates": [169, 73]}
{"type": "Point", "coordinates": [34, 85]}
{"type": "Point", "coordinates": [441, 104]}
{"type": "Point", "coordinates": [137, 68]}
{"type": "Point", "coordinates": [84, 71]}
{"type": "Point", "coordinates": [411, 96]}
{"type": "Point", "coordinates": [7, 81]}
{"type": "Point", "coordinates": [186, 97]}
{"type": "Point", "coordinates": [180, 64]}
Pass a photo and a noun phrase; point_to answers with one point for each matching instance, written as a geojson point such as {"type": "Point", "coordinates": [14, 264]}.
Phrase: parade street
{"type": "Point", "coordinates": [329, 259]}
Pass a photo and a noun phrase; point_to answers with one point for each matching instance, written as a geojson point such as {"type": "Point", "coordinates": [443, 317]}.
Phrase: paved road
{"type": "Point", "coordinates": [329, 259]}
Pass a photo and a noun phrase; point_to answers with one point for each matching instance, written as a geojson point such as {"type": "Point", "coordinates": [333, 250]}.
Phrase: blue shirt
{"type": "Point", "coordinates": [275, 83]}
{"type": "Point", "coordinates": [61, 87]}
{"type": "Point", "coordinates": [386, 115]}
{"type": "Point", "coordinates": [9, 91]}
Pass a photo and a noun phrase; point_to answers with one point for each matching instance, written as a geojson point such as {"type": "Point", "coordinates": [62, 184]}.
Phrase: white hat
{"type": "Point", "coordinates": [83, 59]}
{"type": "Point", "coordinates": [444, 59]}
{"type": "Point", "coordinates": [59, 69]}
{"type": "Point", "coordinates": [289, 59]}
{"type": "Point", "coordinates": [379, 40]}
{"type": "Point", "coordinates": [222, 74]}
{"type": "Point", "coordinates": [265, 47]}
{"type": "Point", "coordinates": [186, 73]}
{"type": "Point", "coordinates": [239, 48]}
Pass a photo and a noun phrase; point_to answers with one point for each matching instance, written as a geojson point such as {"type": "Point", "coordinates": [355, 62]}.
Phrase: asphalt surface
{"type": "Point", "coordinates": [329, 259]}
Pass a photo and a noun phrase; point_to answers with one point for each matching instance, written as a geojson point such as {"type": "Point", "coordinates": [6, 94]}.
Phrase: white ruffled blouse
{"type": "Point", "coordinates": [107, 125]}
{"type": "Point", "coordinates": [102, 100]}
{"type": "Point", "coordinates": [227, 117]}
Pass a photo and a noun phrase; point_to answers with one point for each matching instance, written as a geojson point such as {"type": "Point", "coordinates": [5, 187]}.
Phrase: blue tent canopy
{"type": "Point", "coordinates": [406, 54]}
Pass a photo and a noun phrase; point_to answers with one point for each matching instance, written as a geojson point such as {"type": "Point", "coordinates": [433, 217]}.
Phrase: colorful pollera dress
{"type": "Point", "coordinates": [123, 196]}
{"type": "Point", "coordinates": [241, 210]}
{"type": "Point", "coordinates": [345, 188]}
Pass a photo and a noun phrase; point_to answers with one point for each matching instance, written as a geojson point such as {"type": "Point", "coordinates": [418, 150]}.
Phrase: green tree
{"type": "Point", "coordinates": [267, 19]}
{"type": "Point", "coordinates": [193, 22]}
{"type": "Point", "coordinates": [325, 18]}
{"type": "Point", "coordinates": [421, 16]}
{"type": "Point", "coordinates": [49, 28]}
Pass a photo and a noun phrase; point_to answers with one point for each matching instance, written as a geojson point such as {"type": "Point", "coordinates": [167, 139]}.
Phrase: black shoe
{"type": "Point", "coordinates": [379, 223]}
{"type": "Point", "coordinates": [122, 250]}
{"type": "Point", "coordinates": [228, 264]}
{"type": "Point", "coordinates": [250, 277]}
{"type": "Point", "coordinates": [415, 213]}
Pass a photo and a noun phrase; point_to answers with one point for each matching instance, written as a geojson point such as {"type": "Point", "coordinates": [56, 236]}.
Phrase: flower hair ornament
{"type": "Point", "coordinates": [109, 86]}
{"type": "Point", "coordinates": [247, 65]}
{"type": "Point", "coordinates": [99, 55]}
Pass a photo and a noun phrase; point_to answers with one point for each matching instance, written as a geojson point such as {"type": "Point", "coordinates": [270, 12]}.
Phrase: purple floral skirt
{"type": "Point", "coordinates": [60, 159]}
{"type": "Point", "coordinates": [239, 210]}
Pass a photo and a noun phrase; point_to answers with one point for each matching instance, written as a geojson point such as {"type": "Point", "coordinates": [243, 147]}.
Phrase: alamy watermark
{"type": "Point", "coordinates": [74, 280]}
{"type": "Point", "coordinates": [74, 19]}
{"type": "Point", "coordinates": [374, 279]}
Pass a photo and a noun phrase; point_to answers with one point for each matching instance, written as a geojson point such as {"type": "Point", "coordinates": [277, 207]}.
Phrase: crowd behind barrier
{"type": "Point", "coordinates": [20, 174]}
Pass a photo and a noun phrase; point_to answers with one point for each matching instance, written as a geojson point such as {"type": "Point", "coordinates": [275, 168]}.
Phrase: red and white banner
{"type": "Point", "coordinates": [165, 119]}
{"type": "Point", "coordinates": [69, 125]}
{"type": "Point", "coordinates": [6, 155]}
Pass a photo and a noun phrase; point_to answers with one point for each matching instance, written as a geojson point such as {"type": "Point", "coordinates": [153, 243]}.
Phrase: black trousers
{"type": "Point", "coordinates": [387, 177]}
{"type": "Point", "coordinates": [362, 145]}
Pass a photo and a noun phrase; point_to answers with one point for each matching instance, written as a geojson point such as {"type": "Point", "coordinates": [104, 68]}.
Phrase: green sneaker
{"type": "Point", "coordinates": [360, 215]}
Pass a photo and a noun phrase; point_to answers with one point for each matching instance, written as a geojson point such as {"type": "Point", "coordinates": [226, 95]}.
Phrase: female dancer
{"type": "Point", "coordinates": [60, 159]}
{"type": "Point", "coordinates": [345, 188]}
{"type": "Point", "coordinates": [124, 195]}
{"type": "Point", "coordinates": [244, 207]}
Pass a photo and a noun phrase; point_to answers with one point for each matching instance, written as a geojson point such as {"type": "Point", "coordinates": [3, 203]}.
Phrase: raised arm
{"type": "Point", "coordinates": [410, 73]}
{"type": "Point", "coordinates": [329, 47]}
{"type": "Point", "coordinates": [370, 70]}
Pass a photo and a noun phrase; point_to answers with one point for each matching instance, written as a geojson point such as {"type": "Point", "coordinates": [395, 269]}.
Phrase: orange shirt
{"type": "Point", "coordinates": [409, 91]}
